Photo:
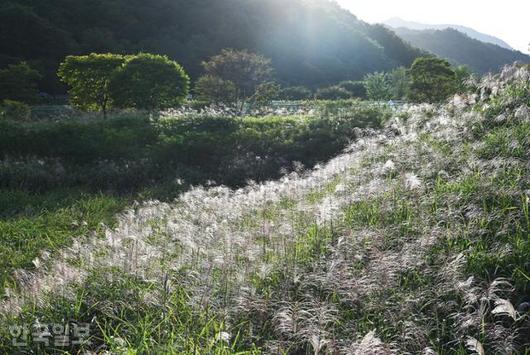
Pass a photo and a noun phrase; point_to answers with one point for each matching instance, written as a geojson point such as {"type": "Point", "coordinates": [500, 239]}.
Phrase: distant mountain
{"type": "Point", "coordinates": [460, 49]}
{"type": "Point", "coordinates": [311, 42]}
{"type": "Point", "coordinates": [397, 22]}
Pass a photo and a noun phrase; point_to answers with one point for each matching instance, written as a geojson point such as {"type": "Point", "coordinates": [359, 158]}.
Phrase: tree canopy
{"type": "Point", "coordinates": [148, 81]}
{"type": "Point", "coordinates": [432, 80]}
{"type": "Point", "coordinates": [88, 78]}
{"type": "Point", "coordinates": [98, 82]}
{"type": "Point", "coordinates": [244, 69]}
{"type": "Point", "coordinates": [245, 76]}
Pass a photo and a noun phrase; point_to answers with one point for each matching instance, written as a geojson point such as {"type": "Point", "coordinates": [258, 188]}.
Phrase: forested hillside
{"type": "Point", "coordinates": [461, 49]}
{"type": "Point", "coordinates": [311, 42]}
{"type": "Point", "coordinates": [397, 22]}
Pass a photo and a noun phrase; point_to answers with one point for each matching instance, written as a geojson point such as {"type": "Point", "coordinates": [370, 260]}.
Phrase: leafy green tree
{"type": "Point", "coordinates": [18, 82]}
{"type": "Point", "coordinates": [378, 86]}
{"type": "Point", "coordinates": [150, 82]}
{"type": "Point", "coordinates": [89, 79]}
{"type": "Point", "coordinates": [355, 88]}
{"type": "Point", "coordinates": [215, 90]}
{"type": "Point", "coordinates": [246, 70]}
{"type": "Point", "coordinates": [432, 80]}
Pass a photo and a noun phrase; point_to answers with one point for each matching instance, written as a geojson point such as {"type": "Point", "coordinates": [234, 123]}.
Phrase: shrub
{"type": "Point", "coordinates": [247, 72]}
{"type": "Point", "coordinates": [18, 82]}
{"type": "Point", "coordinates": [332, 93]}
{"type": "Point", "coordinates": [150, 82]}
{"type": "Point", "coordinates": [215, 90]}
{"type": "Point", "coordinates": [355, 88]}
{"type": "Point", "coordinates": [264, 94]}
{"type": "Point", "coordinates": [353, 113]}
{"type": "Point", "coordinates": [378, 87]}
{"type": "Point", "coordinates": [400, 83]}
{"type": "Point", "coordinates": [129, 153]}
{"type": "Point", "coordinates": [14, 110]}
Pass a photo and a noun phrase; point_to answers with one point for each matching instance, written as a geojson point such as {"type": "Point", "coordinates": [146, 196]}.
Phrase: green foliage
{"type": "Point", "coordinates": [212, 89]}
{"type": "Point", "coordinates": [432, 80]}
{"type": "Point", "coordinates": [78, 141]}
{"type": "Point", "coordinates": [355, 88]}
{"type": "Point", "coordinates": [129, 153]}
{"type": "Point", "coordinates": [295, 93]}
{"type": "Point", "coordinates": [462, 74]}
{"type": "Point", "coordinates": [99, 82]}
{"type": "Point", "coordinates": [18, 82]}
{"type": "Point", "coordinates": [89, 78]}
{"type": "Point", "coordinates": [148, 81]}
{"type": "Point", "coordinates": [378, 87]}
{"type": "Point", "coordinates": [265, 93]}
{"type": "Point", "coordinates": [31, 223]}
{"type": "Point", "coordinates": [333, 93]}
{"type": "Point", "coordinates": [243, 70]}
{"type": "Point", "coordinates": [400, 83]}
{"type": "Point", "coordinates": [14, 110]}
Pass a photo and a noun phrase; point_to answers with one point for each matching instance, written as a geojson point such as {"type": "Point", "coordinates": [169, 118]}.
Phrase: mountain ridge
{"type": "Point", "coordinates": [460, 49]}
{"type": "Point", "coordinates": [397, 22]}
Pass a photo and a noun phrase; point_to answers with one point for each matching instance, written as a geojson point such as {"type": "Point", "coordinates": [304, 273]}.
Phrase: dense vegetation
{"type": "Point", "coordinates": [132, 151]}
{"type": "Point", "coordinates": [59, 180]}
{"type": "Point", "coordinates": [415, 240]}
{"type": "Point", "coordinates": [310, 42]}
{"type": "Point", "coordinates": [460, 49]}
{"type": "Point", "coordinates": [99, 82]}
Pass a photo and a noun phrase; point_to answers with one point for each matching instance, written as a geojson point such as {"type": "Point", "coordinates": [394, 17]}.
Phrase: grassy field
{"type": "Point", "coordinates": [34, 223]}
{"type": "Point", "coordinates": [416, 240]}
{"type": "Point", "coordinates": [65, 181]}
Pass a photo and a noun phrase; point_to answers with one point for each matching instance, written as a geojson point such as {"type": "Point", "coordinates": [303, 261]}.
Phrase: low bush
{"type": "Point", "coordinates": [355, 88]}
{"type": "Point", "coordinates": [333, 93]}
{"type": "Point", "coordinates": [14, 110]}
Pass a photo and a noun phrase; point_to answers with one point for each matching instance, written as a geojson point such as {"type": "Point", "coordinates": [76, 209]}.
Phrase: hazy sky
{"type": "Point", "coordinates": [506, 19]}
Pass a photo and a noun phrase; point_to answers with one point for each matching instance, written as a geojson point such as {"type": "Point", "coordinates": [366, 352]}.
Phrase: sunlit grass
{"type": "Point", "coordinates": [33, 223]}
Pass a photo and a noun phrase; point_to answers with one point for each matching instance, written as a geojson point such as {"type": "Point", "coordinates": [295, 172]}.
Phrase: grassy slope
{"type": "Point", "coordinates": [415, 241]}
